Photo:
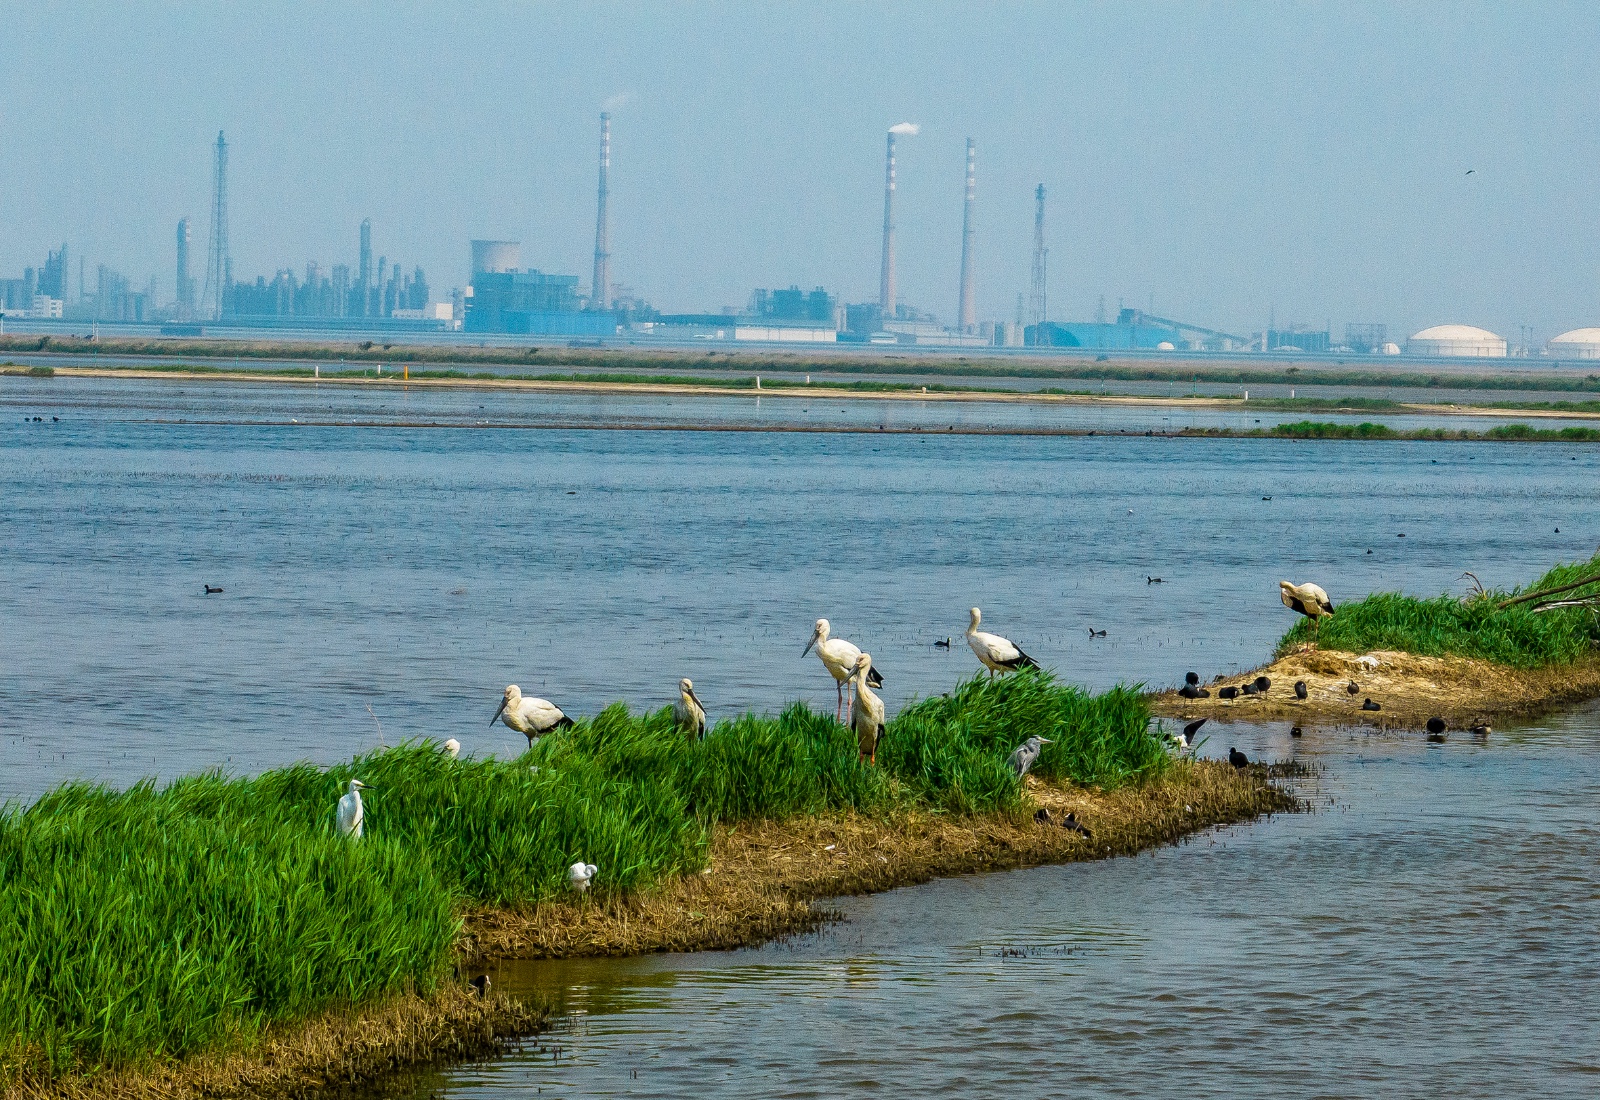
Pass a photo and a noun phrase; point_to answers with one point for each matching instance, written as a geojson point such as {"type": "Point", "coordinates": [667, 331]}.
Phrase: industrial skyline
{"type": "Point", "coordinates": [1187, 177]}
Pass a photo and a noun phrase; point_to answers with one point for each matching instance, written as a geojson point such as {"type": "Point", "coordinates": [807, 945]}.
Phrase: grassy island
{"type": "Point", "coordinates": [147, 929]}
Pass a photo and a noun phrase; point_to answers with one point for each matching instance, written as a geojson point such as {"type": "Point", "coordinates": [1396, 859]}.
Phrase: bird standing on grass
{"type": "Point", "coordinates": [839, 658]}
{"type": "Point", "coordinates": [866, 715]}
{"type": "Point", "coordinates": [997, 654]}
{"type": "Point", "coordinates": [351, 814]}
{"type": "Point", "coordinates": [687, 710]}
{"type": "Point", "coordinates": [580, 874]}
{"type": "Point", "coordinates": [1026, 754]}
{"type": "Point", "coordinates": [1310, 601]}
{"type": "Point", "coordinates": [529, 716]}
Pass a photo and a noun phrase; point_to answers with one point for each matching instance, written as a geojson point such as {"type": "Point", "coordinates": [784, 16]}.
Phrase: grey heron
{"type": "Point", "coordinates": [1026, 754]}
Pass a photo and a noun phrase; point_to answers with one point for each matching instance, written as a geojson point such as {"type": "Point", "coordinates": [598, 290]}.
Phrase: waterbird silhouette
{"type": "Point", "coordinates": [1093, 633]}
{"type": "Point", "coordinates": [1294, 731]}
{"type": "Point", "coordinates": [942, 645]}
{"type": "Point", "coordinates": [1023, 757]}
{"type": "Point", "coordinates": [997, 654]}
{"type": "Point", "coordinates": [1370, 705]}
{"type": "Point", "coordinates": [1436, 725]}
{"type": "Point", "coordinates": [1262, 683]}
{"type": "Point", "coordinates": [1153, 580]}
{"type": "Point", "coordinates": [1300, 691]}
{"type": "Point", "coordinates": [480, 985]}
{"type": "Point", "coordinates": [212, 590]}
{"type": "Point", "coordinates": [1237, 758]}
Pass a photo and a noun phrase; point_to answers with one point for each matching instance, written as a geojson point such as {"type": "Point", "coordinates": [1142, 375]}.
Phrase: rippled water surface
{"type": "Point", "coordinates": [1429, 931]}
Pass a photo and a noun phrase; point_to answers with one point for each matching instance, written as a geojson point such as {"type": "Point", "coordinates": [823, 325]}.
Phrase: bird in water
{"type": "Point", "coordinates": [1153, 580]}
{"type": "Point", "coordinates": [866, 717]}
{"type": "Point", "coordinates": [839, 658]}
{"type": "Point", "coordinates": [1482, 729]}
{"type": "Point", "coordinates": [528, 715]}
{"type": "Point", "coordinates": [1237, 758]}
{"type": "Point", "coordinates": [1308, 600]}
{"type": "Point", "coordinates": [942, 645]}
{"type": "Point", "coordinates": [1093, 633]}
{"type": "Point", "coordinates": [480, 985]}
{"type": "Point", "coordinates": [452, 748]}
{"type": "Point", "coordinates": [688, 711]}
{"type": "Point", "coordinates": [1300, 691]}
{"type": "Point", "coordinates": [351, 815]}
{"type": "Point", "coordinates": [1294, 731]}
{"type": "Point", "coordinates": [580, 874]}
{"type": "Point", "coordinates": [1026, 754]}
{"type": "Point", "coordinates": [997, 654]}
{"type": "Point", "coordinates": [1436, 725]}
{"type": "Point", "coordinates": [212, 589]}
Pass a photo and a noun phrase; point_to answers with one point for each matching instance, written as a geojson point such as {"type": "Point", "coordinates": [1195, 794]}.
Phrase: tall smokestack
{"type": "Point", "coordinates": [969, 308]}
{"type": "Point", "coordinates": [600, 294]}
{"type": "Point", "coordinates": [886, 287]}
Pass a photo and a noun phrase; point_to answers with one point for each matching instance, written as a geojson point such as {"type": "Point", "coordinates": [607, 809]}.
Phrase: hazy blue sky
{"type": "Point", "coordinates": [1219, 159]}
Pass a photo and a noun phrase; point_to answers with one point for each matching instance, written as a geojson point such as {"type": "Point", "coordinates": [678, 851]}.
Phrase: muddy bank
{"type": "Point", "coordinates": [1409, 689]}
{"type": "Point", "coordinates": [765, 881]}
{"type": "Point", "coordinates": [765, 877]}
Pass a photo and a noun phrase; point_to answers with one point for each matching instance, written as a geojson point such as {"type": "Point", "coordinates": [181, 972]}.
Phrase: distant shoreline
{"type": "Point", "coordinates": [823, 391]}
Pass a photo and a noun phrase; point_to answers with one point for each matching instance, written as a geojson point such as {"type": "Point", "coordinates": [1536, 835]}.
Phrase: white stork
{"type": "Point", "coordinates": [1308, 600]}
{"type": "Point", "coordinates": [866, 716]}
{"type": "Point", "coordinates": [997, 654]}
{"type": "Point", "coordinates": [839, 658]}
{"type": "Point", "coordinates": [531, 717]}
{"type": "Point", "coordinates": [688, 711]}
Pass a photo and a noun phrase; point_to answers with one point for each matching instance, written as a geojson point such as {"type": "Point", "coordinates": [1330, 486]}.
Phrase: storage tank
{"type": "Point", "coordinates": [1580, 343]}
{"type": "Point", "coordinates": [493, 256]}
{"type": "Point", "coordinates": [1456, 340]}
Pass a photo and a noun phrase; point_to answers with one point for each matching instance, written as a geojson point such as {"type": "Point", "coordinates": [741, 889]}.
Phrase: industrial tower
{"type": "Point", "coordinates": [600, 288]}
{"type": "Point", "coordinates": [886, 288]}
{"type": "Point", "coordinates": [185, 282]}
{"type": "Point", "coordinates": [219, 266]}
{"type": "Point", "coordinates": [968, 311]}
{"type": "Point", "coordinates": [1036, 293]}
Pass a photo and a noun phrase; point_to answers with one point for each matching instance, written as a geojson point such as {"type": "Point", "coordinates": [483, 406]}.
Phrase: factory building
{"type": "Point", "coordinates": [1461, 341]}
{"type": "Point", "coordinates": [1133, 330]}
{"type": "Point", "coordinates": [503, 299]}
{"type": "Point", "coordinates": [1580, 343]}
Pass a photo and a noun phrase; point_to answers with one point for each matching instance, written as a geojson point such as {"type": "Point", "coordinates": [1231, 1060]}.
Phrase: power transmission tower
{"type": "Point", "coordinates": [1041, 255]}
{"type": "Point", "coordinates": [218, 266]}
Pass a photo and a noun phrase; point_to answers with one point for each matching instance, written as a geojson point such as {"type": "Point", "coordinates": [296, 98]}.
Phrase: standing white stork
{"type": "Point", "coordinates": [688, 711]}
{"type": "Point", "coordinates": [1308, 600]}
{"type": "Point", "coordinates": [839, 658]}
{"type": "Point", "coordinates": [351, 814]}
{"type": "Point", "coordinates": [997, 654]}
{"type": "Point", "coordinates": [529, 716]}
{"type": "Point", "coordinates": [866, 716]}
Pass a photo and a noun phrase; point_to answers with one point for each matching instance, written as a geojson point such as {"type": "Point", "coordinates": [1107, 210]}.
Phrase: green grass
{"type": "Point", "coordinates": [147, 924]}
{"type": "Point", "coordinates": [1445, 625]}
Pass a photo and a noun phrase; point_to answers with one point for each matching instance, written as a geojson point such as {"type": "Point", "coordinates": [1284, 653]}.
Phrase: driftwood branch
{"type": "Point", "coordinates": [1526, 596]}
{"type": "Point", "coordinates": [1585, 601]}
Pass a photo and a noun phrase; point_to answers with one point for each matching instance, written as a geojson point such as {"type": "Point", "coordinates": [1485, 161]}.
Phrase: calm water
{"type": "Point", "coordinates": [1428, 932]}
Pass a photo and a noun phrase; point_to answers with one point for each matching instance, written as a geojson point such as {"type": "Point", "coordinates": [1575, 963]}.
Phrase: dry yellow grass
{"type": "Point", "coordinates": [1409, 688]}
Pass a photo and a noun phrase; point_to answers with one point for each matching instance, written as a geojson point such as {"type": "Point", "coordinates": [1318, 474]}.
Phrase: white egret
{"type": "Point", "coordinates": [1026, 753]}
{"type": "Point", "coordinates": [1310, 601]}
{"type": "Point", "coordinates": [351, 814]}
{"type": "Point", "coordinates": [839, 658]}
{"type": "Point", "coordinates": [532, 717]}
{"type": "Point", "coordinates": [688, 711]}
{"type": "Point", "coordinates": [452, 748]}
{"type": "Point", "coordinates": [579, 875]}
{"type": "Point", "coordinates": [997, 654]}
{"type": "Point", "coordinates": [866, 715]}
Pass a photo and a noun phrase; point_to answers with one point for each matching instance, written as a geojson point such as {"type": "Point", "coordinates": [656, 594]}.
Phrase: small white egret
{"type": "Point", "coordinates": [839, 658]}
{"type": "Point", "coordinates": [452, 748]}
{"type": "Point", "coordinates": [1310, 601]}
{"type": "Point", "coordinates": [351, 814]}
{"type": "Point", "coordinates": [866, 716]}
{"type": "Point", "coordinates": [996, 653]}
{"type": "Point", "coordinates": [579, 875]}
{"type": "Point", "coordinates": [1026, 753]}
{"type": "Point", "coordinates": [688, 711]}
{"type": "Point", "coordinates": [532, 717]}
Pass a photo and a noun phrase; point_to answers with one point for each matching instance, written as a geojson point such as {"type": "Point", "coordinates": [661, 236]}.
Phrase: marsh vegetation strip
{"type": "Point", "coordinates": [146, 925]}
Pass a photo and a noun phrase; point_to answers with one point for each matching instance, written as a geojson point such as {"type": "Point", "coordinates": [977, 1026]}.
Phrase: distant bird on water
{"type": "Point", "coordinates": [1482, 729]}
{"type": "Point", "coordinates": [530, 716]}
{"type": "Point", "coordinates": [942, 645]}
{"type": "Point", "coordinates": [351, 814]}
{"type": "Point", "coordinates": [839, 658]}
{"type": "Point", "coordinates": [688, 711]}
{"type": "Point", "coordinates": [212, 590]}
{"type": "Point", "coordinates": [452, 748]}
{"type": "Point", "coordinates": [1308, 600]}
{"type": "Point", "coordinates": [866, 716]}
{"type": "Point", "coordinates": [1026, 753]}
{"type": "Point", "coordinates": [1237, 758]}
{"type": "Point", "coordinates": [580, 874]}
{"type": "Point", "coordinates": [996, 653]}
{"type": "Point", "coordinates": [1153, 580]}
{"type": "Point", "coordinates": [1436, 725]}
{"type": "Point", "coordinates": [1093, 633]}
